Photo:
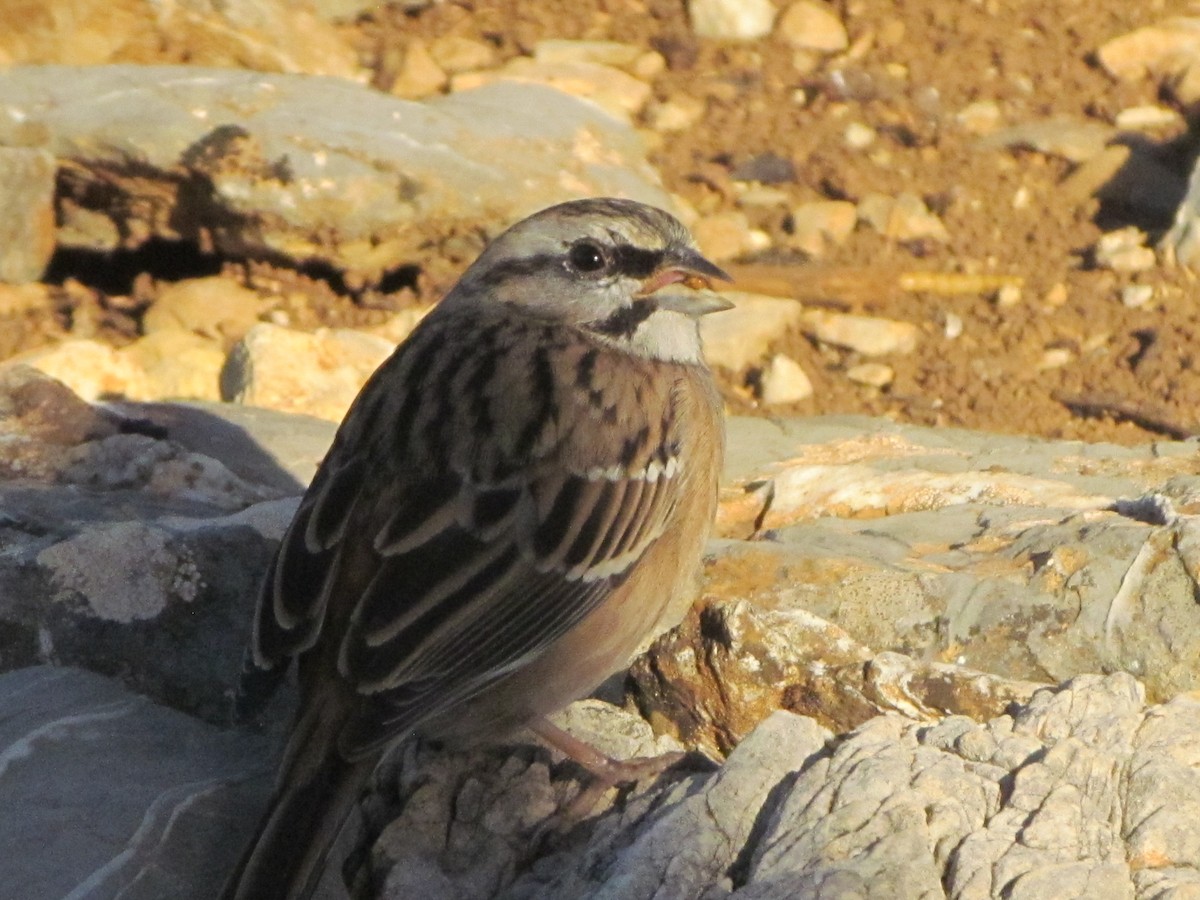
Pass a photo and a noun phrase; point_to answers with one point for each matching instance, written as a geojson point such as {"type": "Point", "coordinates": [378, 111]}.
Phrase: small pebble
{"type": "Point", "coordinates": [953, 325]}
{"type": "Point", "coordinates": [1124, 250]}
{"type": "Point", "coordinates": [821, 223]}
{"type": "Point", "coordinates": [875, 375]}
{"type": "Point", "coordinates": [727, 235]}
{"type": "Point", "coordinates": [904, 218]}
{"type": "Point", "coordinates": [812, 26]}
{"type": "Point", "coordinates": [678, 114]}
{"type": "Point", "coordinates": [980, 118]}
{"type": "Point", "coordinates": [609, 53]}
{"type": "Point", "coordinates": [1055, 358]}
{"type": "Point", "coordinates": [1148, 117]}
{"type": "Point", "coordinates": [1136, 295]}
{"type": "Point", "coordinates": [1008, 296]}
{"type": "Point", "coordinates": [731, 19]}
{"type": "Point", "coordinates": [617, 91]}
{"type": "Point", "coordinates": [859, 136]}
{"type": "Point", "coordinates": [765, 168]}
{"type": "Point", "coordinates": [868, 335]}
{"type": "Point", "coordinates": [752, 194]}
{"type": "Point", "coordinates": [1057, 295]}
{"type": "Point", "coordinates": [784, 381]}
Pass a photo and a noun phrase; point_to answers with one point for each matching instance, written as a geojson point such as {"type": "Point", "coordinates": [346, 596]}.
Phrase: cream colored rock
{"type": "Point", "coordinates": [617, 92]}
{"type": "Point", "coordinates": [18, 299]}
{"type": "Point", "coordinates": [676, 114]}
{"type": "Point", "coordinates": [1074, 139]}
{"type": "Point", "coordinates": [859, 136]}
{"type": "Point", "coordinates": [903, 218]}
{"type": "Point", "coordinates": [454, 54]}
{"type": "Point", "coordinates": [784, 381]}
{"type": "Point", "coordinates": [92, 370]}
{"type": "Point", "coordinates": [1054, 358]}
{"type": "Point", "coordinates": [293, 371]}
{"type": "Point", "coordinates": [872, 374]}
{"type": "Point", "coordinates": [867, 335]}
{"type": "Point", "coordinates": [812, 26]}
{"type": "Point", "coordinates": [401, 325]}
{"type": "Point", "coordinates": [214, 307]}
{"type": "Point", "coordinates": [1136, 296]}
{"type": "Point", "coordinates": [178, 365]}
{"type": "Point", "coordinates": [1008, 296]}
{"type": "Point", "coordinates": [1154, 49]}
{"type": "Point", "coordinates": [1148, 117]}
{"type": "Point", "coordinates": [1124, 250]}
{"type": "Point", "coordinates": [420, 75]}
{"type": "Point", "coordinates": [728, 235]}
{"type": "Point", "coordinates": [981, 117]}
{"type": "Point", "coordinates": [731, 19]}
{"type": "Point", "coordinates": [818, 225]}
{"type": "Point", "coordinates": [607, 53]}
{"type": "Point", "coordinates": [738, 338]}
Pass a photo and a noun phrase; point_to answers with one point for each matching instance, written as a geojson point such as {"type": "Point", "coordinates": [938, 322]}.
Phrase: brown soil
{"type": "Point", "coordinates": [928, 59]}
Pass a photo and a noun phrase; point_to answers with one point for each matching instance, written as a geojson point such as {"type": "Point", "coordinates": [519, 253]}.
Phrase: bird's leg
{"type": "Point", "coordinates": [605, 771]}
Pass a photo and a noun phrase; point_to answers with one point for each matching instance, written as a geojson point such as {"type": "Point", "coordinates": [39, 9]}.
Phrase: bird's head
{"type": "Point", "coordinates": [626, 272]}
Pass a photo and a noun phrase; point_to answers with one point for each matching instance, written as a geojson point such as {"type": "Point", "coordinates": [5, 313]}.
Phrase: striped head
{"type": "Point", "coordinates": [627, 273]}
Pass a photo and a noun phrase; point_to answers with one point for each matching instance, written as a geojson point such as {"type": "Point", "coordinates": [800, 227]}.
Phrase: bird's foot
{"type": "Point", "coordinates": [608, 773]}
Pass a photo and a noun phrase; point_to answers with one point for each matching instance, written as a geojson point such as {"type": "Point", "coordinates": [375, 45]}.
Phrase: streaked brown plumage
{"type": "Point", "coordinates": [518, 498]}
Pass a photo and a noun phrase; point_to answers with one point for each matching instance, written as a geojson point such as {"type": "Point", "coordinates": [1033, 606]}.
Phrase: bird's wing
{"type": "Point", "coordinates": [464, 530]}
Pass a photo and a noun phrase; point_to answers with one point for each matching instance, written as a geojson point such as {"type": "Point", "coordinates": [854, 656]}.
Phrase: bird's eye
{"type": "Point", "coordinates": [585, 256]}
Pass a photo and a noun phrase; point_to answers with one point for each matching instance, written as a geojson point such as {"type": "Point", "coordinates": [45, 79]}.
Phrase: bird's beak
{"type": "Point", "coordinates": [693, 271]}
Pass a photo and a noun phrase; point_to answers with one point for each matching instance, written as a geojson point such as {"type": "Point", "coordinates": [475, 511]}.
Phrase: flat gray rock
{"type": "Point", "coordinates": [106, 794]}
{"type": "Point", "coordinates": [310, 167]}
{"type": "Point", "coordinates": [1025, 558]}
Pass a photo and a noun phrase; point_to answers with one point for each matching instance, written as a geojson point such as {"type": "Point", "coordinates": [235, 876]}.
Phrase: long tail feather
{"type": "Point", "coordinates": [315, 793]}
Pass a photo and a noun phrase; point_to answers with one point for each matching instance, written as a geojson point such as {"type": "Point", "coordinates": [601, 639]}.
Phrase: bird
{"type": "Point", "coordinates": [518, 498]}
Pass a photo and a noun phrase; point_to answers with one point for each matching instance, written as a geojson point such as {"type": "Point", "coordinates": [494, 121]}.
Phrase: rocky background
{"type": "Point", "coordinates": [931, 661]}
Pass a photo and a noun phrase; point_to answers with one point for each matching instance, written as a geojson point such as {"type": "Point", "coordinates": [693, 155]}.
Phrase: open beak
{"type": "Point", "coordinates": [693, 271]}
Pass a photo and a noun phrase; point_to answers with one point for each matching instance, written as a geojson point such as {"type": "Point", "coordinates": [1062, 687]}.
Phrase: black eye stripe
{"type": "Point", "coordinates": [619, 259]}
{"type": "Point", "coordinates": [635, 261]}
{"type": "Point", "coordinates": [624, 259]}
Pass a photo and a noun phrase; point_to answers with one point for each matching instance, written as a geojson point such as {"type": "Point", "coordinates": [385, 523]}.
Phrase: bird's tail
{"type": "Point", "coordinates": [314, 794]}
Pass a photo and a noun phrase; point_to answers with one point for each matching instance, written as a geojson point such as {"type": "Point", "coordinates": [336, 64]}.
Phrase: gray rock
{"type": "Point", "coordinates": [26, 213]}
{"type": "Point", "coordinates": [1034, 560]}
{"type": "Point", "coordinates": [106, 794]}
{"type": "Point", "coordinates": [1181, 243]}
{"type": "Point", "coordinates": [1074, 139]}
{"type": "Point", "coordinates": [310, 168]}
{"type": "Point", "coordinates": [264, 447]}
{"type": "Point", "coordinates": [1084, 788]}
{"type": "Point", "coordinates": [861, 564]}
{"type": "Point", "coordinates": [133, 554]}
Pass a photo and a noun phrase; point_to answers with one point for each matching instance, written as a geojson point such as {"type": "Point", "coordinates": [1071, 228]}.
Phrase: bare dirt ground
{"type": "Point", "coordinates": [1006, 211]}
{"type": "Point", "coordinates": [1034, 59]}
